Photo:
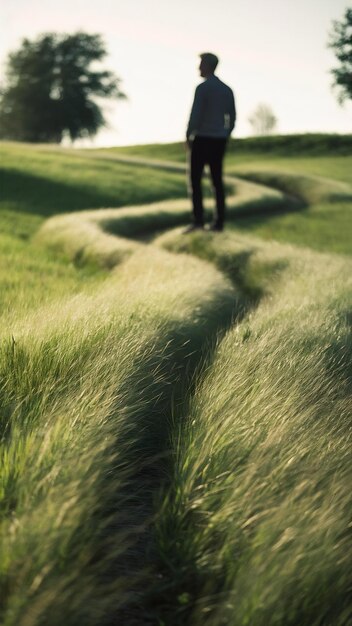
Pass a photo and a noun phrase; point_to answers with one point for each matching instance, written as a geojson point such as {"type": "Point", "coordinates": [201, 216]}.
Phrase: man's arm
{"type": "Point", "coordinates": [196, 112]}
{"type": "Point", "coordinates": [232, 113]}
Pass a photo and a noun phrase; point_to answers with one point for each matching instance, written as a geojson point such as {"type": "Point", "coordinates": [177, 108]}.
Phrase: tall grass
{"type": "Point", "coordinates": [46, 181]}
{"type": "Point", "coordinates": [84, 428]}
{"type": "Point", "coordinates": [260, 501]}
{"type": "Point", "coordinates": [324, 225]}
{"type": "Point", "coordinates": [39, 181]}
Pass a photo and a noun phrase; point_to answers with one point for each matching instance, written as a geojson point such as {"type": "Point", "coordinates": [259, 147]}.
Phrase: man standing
{"type": "Point", "coordinates": [211, 122]}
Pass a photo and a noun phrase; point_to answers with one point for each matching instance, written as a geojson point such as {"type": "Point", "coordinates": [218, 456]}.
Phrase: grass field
{"type": "Point", "coordinates": [175, 410]}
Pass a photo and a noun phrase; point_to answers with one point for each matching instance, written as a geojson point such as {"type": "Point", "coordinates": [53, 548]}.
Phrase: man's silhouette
{"type": "Point", "coordinates": [211, 122]}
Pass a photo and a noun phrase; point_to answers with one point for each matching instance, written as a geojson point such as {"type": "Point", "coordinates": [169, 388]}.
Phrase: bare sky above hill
{"type": "Point", "coordinates": [271, 51]}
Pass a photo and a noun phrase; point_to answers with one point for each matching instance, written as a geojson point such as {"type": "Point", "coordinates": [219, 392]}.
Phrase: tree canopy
{"type": "Point", "coordinates": [341, 43]}
{"type": "Point", "coordinates": [52, 87]}
{"type": "Point", "coordinates": [263, 120]}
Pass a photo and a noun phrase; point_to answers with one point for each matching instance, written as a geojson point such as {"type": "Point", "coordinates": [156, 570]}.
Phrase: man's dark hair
{"type": "Point", "coordinates": [210, 59]}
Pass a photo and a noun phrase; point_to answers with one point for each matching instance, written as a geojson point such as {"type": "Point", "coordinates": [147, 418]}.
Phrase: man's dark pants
{"type": "Point", "coordinates": [211, 151]}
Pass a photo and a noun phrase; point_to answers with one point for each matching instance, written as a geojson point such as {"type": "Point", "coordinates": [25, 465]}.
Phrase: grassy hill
{"type": "Point", "coordinates": [175, 409]}
{"type": "Point", "coordinates": [272, 159]}
{"type": "Point", "coordinates": [279, 145]}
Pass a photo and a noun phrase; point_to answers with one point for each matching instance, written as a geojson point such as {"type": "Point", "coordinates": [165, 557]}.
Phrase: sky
{"type": "Point", "coordinates": [271, 51]}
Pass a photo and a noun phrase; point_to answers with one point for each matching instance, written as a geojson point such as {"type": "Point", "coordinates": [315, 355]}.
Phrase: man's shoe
{"type": "Point", "coordinates": [215, 227]}
{"type": "Point", "coordinates": [192, 228]}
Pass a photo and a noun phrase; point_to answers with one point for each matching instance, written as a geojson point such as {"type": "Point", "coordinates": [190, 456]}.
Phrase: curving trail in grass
{"type": "Point", "coordinates": [175, 443]}
{"type": "Point", "coordinates": [107, 236]}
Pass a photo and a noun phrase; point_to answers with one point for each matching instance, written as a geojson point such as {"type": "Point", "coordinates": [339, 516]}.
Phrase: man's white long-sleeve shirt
{"type": "Point", "coordinates": [213, 112]}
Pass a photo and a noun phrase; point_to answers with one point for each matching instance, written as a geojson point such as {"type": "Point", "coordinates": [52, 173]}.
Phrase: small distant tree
{"type": "Point", "coordinates": [263, 120]}
{"type": "Point", "coordinates": [341, 42]}
{"type": "Point", "coordinates": [51, 89]}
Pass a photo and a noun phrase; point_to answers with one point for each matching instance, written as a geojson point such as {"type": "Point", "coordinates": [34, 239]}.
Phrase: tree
{"type": "Point", "coordinates": [341, 43]}
{"type": "Point", "coordinates": [50, 89]}
{"type": "Point", "coordinates": [262, 120]}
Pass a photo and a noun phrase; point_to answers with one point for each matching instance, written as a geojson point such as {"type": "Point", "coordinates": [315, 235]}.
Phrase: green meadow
{"type": "Point", "coordinates": [175, 409]}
